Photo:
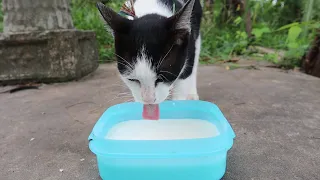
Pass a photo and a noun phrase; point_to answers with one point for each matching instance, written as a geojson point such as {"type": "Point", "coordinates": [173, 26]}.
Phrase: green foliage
{"type": "Point", "coordinates": [86, 16]}
{"type": "Point", "coordinates": [296, 43]}
{"type": "Point", "coordinates": [293, 35]}
{"type": "Point", "coordinates": [308, 10]}
{"type": "Point", "coordinates": [277, 26]}
{"type": "Point", "coordinates": [272, 57]}
{"type": "Point", "coordinates": [289, 11]}
{"type": "Point", "coordinates": [258, 32]}
{"type": "Point", "coordinates": [219, 44]}
{"type": "Point", "coordinates": [287, 25]}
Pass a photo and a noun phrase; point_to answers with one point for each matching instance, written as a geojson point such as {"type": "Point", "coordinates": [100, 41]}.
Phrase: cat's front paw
{"type": "Point", "coordinates": [193, 97]}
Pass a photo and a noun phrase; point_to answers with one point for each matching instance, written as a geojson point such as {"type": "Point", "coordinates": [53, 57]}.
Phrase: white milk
{"type": "Point", "coordinates": [169, 129]}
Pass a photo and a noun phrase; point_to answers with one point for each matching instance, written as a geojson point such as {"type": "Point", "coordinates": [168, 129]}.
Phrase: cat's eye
{"type": "Point", "coordinates": [134, 80]}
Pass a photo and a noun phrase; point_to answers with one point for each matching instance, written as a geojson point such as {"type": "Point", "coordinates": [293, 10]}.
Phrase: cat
{"type": "Point", "coordinates": [158, 50]}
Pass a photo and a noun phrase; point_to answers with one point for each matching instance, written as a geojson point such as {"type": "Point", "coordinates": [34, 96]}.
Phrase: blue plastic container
{"type": "Point", "coordinates": [188, 159]}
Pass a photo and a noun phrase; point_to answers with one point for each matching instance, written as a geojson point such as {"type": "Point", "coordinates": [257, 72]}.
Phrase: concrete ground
{"type": "Point", "coordinates": [276, 116]}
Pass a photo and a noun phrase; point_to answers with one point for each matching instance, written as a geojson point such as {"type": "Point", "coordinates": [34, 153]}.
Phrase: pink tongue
{"type": "Point", "coordinates": [151, 111]}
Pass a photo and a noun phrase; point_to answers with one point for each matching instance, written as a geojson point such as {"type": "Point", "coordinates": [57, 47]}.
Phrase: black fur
{"type": "Point", "coordinates": [158, 35]}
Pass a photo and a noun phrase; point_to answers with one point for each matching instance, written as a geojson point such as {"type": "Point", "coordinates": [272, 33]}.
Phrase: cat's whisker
{"type": "Point", "coordinates": [165, 56]}
{"type": "Point", "coordinates": [120, 84]}
{"type": "Point", "coordinates": [125, 65]}
{"type": "Point", "coordinates": [123, 59]}
{"type": "Point", "coordinates": [169, 73]}
{"type": "Point", "coordinates": [116, 97]}
{"type": "Point", "coordinates": [130, 100]}
{"type": "Point", "coordinates": [160, 77]}
{"type": "Point", "coordinates": [117, 84]}
{"type": "Point", "coordinates": [130, 65]}
{"type": "Point", "coordinates": [124, 95]}
{"type": "Point", "coordinates": [164, 77]}
{"type": "Point", "coordinates": [124, 88]}
{"type": "Point", "coordinates": [121, 95]}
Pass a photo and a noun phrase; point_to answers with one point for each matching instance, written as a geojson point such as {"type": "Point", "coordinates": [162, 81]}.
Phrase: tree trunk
{"type": "Point", "coordinates": [36, 15]}
{"type": "Point", "coordinates": [248, 21]}
{"type": "Point", "coordinates": [311, 61]}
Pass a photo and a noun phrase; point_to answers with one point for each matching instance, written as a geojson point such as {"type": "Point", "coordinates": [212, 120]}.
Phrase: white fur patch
{"type": "Point", "coordinates": [144, 72]}
{"type": "Point", "coordinates": [144, 7]}
{"type": "Point", "coordinates": [146, 92]}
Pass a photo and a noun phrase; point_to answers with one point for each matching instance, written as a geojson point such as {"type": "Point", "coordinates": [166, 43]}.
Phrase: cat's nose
{"type": "Point", "coordinates": [148, 95]}
{"type": "Point", "coordinates": [149, 100]}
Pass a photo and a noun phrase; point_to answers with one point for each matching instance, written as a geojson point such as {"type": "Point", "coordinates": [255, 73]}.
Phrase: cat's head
{"type": "Point", "coordinates": [151, 50]}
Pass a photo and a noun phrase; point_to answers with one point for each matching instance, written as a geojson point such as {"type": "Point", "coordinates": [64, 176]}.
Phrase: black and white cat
{"type": "Point", "coordinates": [158, 51]}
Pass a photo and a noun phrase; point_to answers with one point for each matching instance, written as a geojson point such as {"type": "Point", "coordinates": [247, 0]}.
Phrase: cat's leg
{"type": "Point", "coordinates": [186, 89]}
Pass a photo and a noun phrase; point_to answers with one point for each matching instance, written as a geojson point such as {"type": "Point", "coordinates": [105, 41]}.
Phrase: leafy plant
{"type": "Point", "coordinates": [224, 38]}
{"type": "Point", "coordinates": [86, 16]}
{"type": "Point", "coordinates": [293, 35]}
{"type": "Point", "coordinates": [272, 57]}
{"type": "Point", "coordinates": [287, 25]}
{"type": "Point", "coordinates": [258, 32]}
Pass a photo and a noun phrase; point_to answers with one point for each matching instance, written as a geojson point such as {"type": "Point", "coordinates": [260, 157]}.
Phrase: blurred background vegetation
{"type": "Point", "coordinates": [1, 16]}
{"type": "Point", "coordinates": [278, 31]}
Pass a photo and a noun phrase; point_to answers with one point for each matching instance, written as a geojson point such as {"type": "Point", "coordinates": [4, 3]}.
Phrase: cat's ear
{"type": "Point", "coordinates": [114, 21]}
{"type": "Point", "coordinates": [181, 21]}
